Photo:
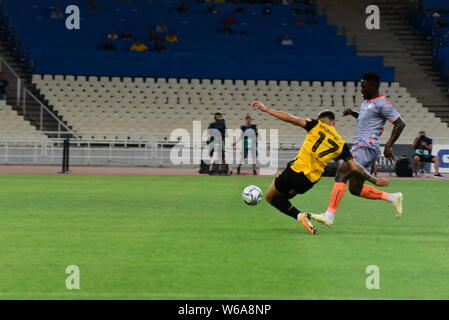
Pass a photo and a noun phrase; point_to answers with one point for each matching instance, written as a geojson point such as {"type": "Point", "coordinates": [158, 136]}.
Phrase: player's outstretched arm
{"type": "Point", "coordinates": [284, 116]}
{"type": "Point", "coordinates": [355, 167]}
{"type": "Point", "coordinates": [349, 111]}
{"type": "Point", "coordinates": [399, 125]}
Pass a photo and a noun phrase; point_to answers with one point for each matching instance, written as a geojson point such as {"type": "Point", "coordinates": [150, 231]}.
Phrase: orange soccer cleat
{"type": "Point", "coordinates": [304, 219]}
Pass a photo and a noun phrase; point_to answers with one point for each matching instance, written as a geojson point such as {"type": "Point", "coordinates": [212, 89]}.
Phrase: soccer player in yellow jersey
{"type": "Point", "coordinates": [321, 145]}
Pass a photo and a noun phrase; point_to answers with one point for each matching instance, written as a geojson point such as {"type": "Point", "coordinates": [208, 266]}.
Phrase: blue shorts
{"type": "Point", "coordinates": [365, 155]}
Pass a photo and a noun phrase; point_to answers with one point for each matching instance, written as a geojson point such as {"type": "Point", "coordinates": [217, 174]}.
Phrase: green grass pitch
{"type": "Point", "coordinates": [167, 237]}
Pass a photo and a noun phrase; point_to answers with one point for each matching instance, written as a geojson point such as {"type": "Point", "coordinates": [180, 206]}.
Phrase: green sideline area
{"type": "Point", "coordinates": [167, 237]}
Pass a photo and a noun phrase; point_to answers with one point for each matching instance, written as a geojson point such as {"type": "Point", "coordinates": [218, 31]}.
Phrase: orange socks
{"type": "Point", "coordinates": [338, 191]}
{"type": "Point", "coordinates": [369, 192]}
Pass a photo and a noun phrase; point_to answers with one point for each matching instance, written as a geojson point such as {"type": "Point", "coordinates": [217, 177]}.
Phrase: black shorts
{"type": "Point", "coordinates": [290, 180]}
{"type": "Point", "coordinates": [425, 159]}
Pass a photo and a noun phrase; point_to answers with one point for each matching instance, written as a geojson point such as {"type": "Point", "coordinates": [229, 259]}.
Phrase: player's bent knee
{"type": "Point", "coordinates": [290, 196]}
{"type": "Point", "coordinates": [340, 178]}
{"type": "Point", "coordinates": [355, 190]}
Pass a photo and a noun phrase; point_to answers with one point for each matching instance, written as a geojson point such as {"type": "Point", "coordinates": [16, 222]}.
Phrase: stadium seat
{"type": "Point", "coordinates": [166, 107]}
{"type": "Point", "coordinates": [15, 127]}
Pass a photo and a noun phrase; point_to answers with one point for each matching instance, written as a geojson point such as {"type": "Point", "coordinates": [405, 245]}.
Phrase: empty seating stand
{"type": "Point", "coordinates": [15, 128]}
{"type": "Point", "coordinates": [138, 105]}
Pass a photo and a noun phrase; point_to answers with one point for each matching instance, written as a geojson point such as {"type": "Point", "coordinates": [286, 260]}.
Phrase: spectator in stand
{"type": "Point", "coordinates": [287, 41]}
{"type": "Point", "coordinates": [56, 13]}
{"type": "Point", "coordinates": [109, 45]}
{"type": "Point", "coordinates": [301, 22]}
{"type": "Point", "coordinates": [127, 35]}
{"type": "Point", "coordinates": [112, 35]}
{"type": "Point", "coordinates": [183, 7]}
{"type": "Point", "coordinates": [309, 10]}
{"type": "Point", "coordinates": [213, 9]}
{"type": "Point", "coordinates": [227, 29]}
{"type": "Point", "coordinates": [435, 14]}
{"type": "Point", "coordinates": [441, 23]}
{"type": "Point", "coordinates": [3, 86]}
{"type": "Point", "coordinates": [153, 36]}
{"type": "Point", "coordinates": [231, 19]}
{"type": "Point", "coordinates": [161, 27]}
{"type": "Point", "coordinates": [287, 2]}
{"type": "Point", "coordinates": [139, 47]}
{"type": "Point", "coordinates": [92, 4]}
{"type": "Point", "coordinates": [171, 37]}
{"type": "Point", "coordinates": [159, 46]}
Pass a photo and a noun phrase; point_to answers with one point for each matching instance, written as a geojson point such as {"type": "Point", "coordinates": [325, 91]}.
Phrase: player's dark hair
{"type": "Point", "coordinates": [372, 77]}
{"type": "Point", "coordinates": [248, 117]}
{"type": "Point", "coordinates": [326, 114]}
{"type": "Point", "coordinates": [217, 114]}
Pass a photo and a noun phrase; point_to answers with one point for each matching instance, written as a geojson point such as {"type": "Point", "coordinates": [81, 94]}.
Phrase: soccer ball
{"type": "Point", "coordinates": [252, 195]}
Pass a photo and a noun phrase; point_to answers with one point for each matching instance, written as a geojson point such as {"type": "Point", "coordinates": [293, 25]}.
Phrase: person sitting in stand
{"type": "Point", "coordinates": [183, 7]}
{"type": "Point", "coordinates": [161, 27]}
{"type": "Point", "coordinates": [113, 35]}
{"type": "Point", "coordinates": [109, 45]}
{"type": "Point", "coordinates": [126, 35]}
{"type": "Point", "coordinates": [139, 47]}
{"type": "Point", "coordinates": [171, 37]}
{"type": "Point", "coordinates": [287, 41]}
{"type": "Point", "coordinates": [301, 22]}
{"type": "Point", "coordinates": [159, 46]}
{"type": "Point", "coordinates": [153, 36]}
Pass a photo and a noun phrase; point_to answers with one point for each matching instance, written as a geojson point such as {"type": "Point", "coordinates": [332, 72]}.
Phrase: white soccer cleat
{"type": "Point", "coordinates": [397, 204]}
{"type": "Point", "coordinates": [321, 218]}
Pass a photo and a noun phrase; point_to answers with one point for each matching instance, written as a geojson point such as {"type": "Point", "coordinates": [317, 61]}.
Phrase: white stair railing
{"type": "Point", "coordinates": [44, 110]}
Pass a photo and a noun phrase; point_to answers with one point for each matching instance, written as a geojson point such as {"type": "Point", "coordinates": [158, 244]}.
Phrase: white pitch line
{"type": "Point", "coordinates": [184, 295]}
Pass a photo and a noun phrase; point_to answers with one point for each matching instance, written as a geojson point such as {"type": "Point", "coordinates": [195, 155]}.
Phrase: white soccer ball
{"type": "Point", "coordinates": [252, 195]}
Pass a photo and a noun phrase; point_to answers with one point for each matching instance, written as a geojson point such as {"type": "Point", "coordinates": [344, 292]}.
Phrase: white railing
{"type": "Point", "coordinates": [100, 152]}
{"type": "Point", "coordinates": [160, 137]}
{"type": "Point", "coordinates": [129, 149]}
{"type": "Point", "coordinates": [44, 110]}
{"type": "Point", "coordinates": [22, 93]}
{"type": "Point", "coordinates": [3, 65]}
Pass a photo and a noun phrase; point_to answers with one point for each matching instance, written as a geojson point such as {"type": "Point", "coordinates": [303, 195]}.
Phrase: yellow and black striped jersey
{"type": "Point", "coordinates": [321, 145]}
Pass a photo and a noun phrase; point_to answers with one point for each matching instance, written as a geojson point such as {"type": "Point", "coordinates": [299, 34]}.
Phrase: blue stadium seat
{"type": "Point", "coordinates": [252, 52]}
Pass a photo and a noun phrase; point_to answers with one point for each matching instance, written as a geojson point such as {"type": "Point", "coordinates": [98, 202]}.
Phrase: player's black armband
{"type": "Point", "coordinates": [355, 114]}
{"type": "Point", "coordinates": [310, 124]}
{"type": "Point", "coordinates": [345, 153]}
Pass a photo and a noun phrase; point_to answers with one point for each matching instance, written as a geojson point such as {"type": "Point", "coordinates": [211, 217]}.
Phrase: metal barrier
{"type": "Point", "coordinates": [144, 149]}
{"type": "Point", "coordinates": [161, 137]}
